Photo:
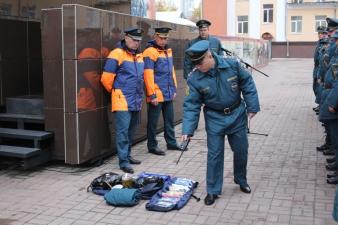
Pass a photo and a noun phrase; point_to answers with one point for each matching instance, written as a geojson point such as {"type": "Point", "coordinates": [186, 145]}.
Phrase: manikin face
{"type": "Point", "coordinates": [132, 43]}
{"type": "Point", "coordinates": [207, 63]}
{"type": "Point", "coordinates": [161, 41]}
{"type": "Point", "coordinates": [204, 32]}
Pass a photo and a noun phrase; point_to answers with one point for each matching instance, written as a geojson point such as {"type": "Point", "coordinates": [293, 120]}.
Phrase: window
{"type": "Point", "coordinates": [242, 24]}
{"type": "Point", "coordinates": [267, 13]}
{"type": "Point", "coordinates": [296, 24]}
{"type": "Point", "coordinates": [320, 21]}
{"type": "Point", "coordinates": [297, 1]}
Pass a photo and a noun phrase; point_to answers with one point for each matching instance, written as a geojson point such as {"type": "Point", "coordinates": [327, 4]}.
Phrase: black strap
{"type": "Point", "coordinates": [195, 197]}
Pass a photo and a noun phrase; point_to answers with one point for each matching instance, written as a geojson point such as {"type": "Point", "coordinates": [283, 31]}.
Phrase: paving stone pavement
{"type": "Point", "coordinates": [286, 173]}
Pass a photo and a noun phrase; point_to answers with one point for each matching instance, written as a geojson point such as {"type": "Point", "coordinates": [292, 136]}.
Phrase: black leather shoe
{"type": "Point", "coordinates": [157, 151]}
{"type": "Point", "coordinates": [127, 169]}
{"type": "Point", "coordinates": [175, 147]}
{"type": "Point", "coordinates": [328, 152]}
{"type": "Point", "coordinates": [134, 161]}
{"type": "Point", "coordinates": [323, 147]}
{"type": "Point", "coordinates": [210, 199]}
{"type": "Point", "coordinates": [331, 160]}
{"type": "Point", "coordinates": [332, 167]}
{"type": "Point", "coordinates": [332, 180]}
{"type": "Point", "coordinates": [244, 188]}
{"type": "Point", "coordinates": [334, 174]}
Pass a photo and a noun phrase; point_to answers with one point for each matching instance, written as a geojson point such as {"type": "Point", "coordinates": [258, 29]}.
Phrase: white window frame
{"type": "Point", "coordinates": [241, 25]}
{"type": "Point", "coordinates": [320, 21]}
{"type": "Point", "coordinates": [298, 23]}
{"type": "Point", "coordinates": [268, 12]}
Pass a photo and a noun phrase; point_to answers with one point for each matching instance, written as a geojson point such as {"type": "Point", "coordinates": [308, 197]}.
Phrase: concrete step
{"type": "Point", "coordinates": [26, 104]}
{"type": "Point", "coordinates": [18, 152]}
{"type": "Point", "coordinates": [25, 134]}
{"type": "Point", "coordinates": [22, 119]}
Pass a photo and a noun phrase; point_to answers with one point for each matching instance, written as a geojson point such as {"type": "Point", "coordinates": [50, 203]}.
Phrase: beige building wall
{"type": "Point", "coordinates": [242, 9]}
{"type": "Point", "coordinates": [268, 27]}
{"type": "Point", "coordinates": [308, 32]}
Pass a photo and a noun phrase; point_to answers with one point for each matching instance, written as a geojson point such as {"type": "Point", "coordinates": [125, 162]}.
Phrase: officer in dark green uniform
{"type": "Point", "coordinates": [219, 83]}
{"type": "Point", "coordinates": [215, 44]}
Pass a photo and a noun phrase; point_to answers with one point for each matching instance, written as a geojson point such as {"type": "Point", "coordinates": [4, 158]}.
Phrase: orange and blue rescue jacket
{"type": "Point", "coordinates": [123, 77]}
{"type": "Point", "coordinates": [159, 73]}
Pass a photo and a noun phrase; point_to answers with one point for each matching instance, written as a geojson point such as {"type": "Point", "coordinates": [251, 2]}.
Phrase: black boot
{"type": "Point", "coordinates": [331, 160]}
{"type": "Point", "coordinates": [210, 199]}
{"type": "Point", "coordinates": [323, 147]}
{"type": "Point", "coordinates": [332, 180]}
{"type": "Point", "coordinates": [329, 152]}
{"type": "Point", "coordinates": [334, 174]}
{"type": "Point", "coordinates": [332, 167]}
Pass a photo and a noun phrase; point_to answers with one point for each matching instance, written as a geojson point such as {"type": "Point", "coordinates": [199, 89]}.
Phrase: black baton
{"type": "Point", "coordinates": [183, 147]}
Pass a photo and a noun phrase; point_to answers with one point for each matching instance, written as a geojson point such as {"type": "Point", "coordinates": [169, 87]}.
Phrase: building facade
{"type": "Point", "coordinates": [269, 23]}
{"type": "Point", "coordinates": [289, 24]}
{"type": "Point", "coordinates": [279, 20]}
{"type": "Point", "coordinates": [303, 17]}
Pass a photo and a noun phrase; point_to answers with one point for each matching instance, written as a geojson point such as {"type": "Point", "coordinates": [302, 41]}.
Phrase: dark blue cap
{"type": "Point", "coordinates": [134, 33]}
{"type": "Point", "coordinates": [162, 31]}
{"type": "Point", "coordinates": [321, 29]}
{"type": "Point", "coordinates": [197, 51]}
{"type": "Point", "coordinates": [203, 23]}
{"type": "Point", "coordinates": [331, 22]}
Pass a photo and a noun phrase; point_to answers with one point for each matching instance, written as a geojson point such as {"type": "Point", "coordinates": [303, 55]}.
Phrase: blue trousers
{"type": "Point", "coordinates": [333, 132]}
{"type": "Point", "coordinates": [154, 112]}
{"type": "Point", "coordinates": [125, 126]}
{"type": "Point", "coordinates": [215, 163]}
{"type": "Point", "coordinates": [335, 206]}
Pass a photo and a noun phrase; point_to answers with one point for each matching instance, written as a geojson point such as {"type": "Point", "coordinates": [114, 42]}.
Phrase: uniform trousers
{"type": "Point", "coordinates": [238, 142]}
{"type": "Point", "coordinates": [125, 126]}
{"type": "Point", "coordinates": [154, 112]}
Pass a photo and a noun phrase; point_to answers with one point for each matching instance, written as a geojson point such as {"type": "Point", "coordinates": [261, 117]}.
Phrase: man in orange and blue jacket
{"type": "Point", "coordinates": [123, 78]}
{"type": "Point", "coordinates": [160, 81]}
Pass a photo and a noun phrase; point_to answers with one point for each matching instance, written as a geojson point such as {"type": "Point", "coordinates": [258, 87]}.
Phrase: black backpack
{"type": "Point", "coordinates": [103, 183]}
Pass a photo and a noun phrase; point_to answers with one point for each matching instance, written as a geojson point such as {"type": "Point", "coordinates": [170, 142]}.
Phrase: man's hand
{"type": "Point", "coordinates": [154, 101]}
{"type": "Point", "coordinates": [251, 115]}
{"type": "Point", "coordinates": [174, 96]}
{"type": "Point", "coordinates": [185, 137]}
{"type": "Point", "coordinates": [331, 109]}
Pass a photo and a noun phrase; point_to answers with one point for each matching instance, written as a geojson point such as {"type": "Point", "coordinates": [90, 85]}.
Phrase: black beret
{"type": "Point", "coordinates": [162, 31]}
{"type": "Point", "coordinates": [134, 33]}
{"type": "Point", "coordinates": [197, 51]}
{"type": "Point", "coordinates": [203, 23]}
